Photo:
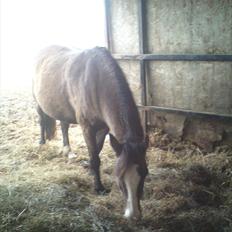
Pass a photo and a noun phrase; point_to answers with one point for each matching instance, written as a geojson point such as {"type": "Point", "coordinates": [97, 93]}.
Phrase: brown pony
{"type": "Point", "coordinates": [89, 88]}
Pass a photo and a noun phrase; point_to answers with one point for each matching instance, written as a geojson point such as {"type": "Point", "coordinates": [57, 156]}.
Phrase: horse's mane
{"type": "Point", "coordinates": [129, 112]}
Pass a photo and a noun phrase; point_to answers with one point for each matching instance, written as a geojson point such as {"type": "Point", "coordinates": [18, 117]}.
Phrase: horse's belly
{"type": "Point", "coordinates": [58, 108]}
{"type": "Point", "coordinates": [64, 114]}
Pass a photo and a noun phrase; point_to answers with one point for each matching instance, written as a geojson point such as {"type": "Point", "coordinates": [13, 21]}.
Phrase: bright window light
{"type": "Point", "coordinates": [27, 26]}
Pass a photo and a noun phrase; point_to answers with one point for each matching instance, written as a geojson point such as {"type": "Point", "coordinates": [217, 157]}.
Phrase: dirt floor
{"type": "Point", "coordinates": [41, 190]}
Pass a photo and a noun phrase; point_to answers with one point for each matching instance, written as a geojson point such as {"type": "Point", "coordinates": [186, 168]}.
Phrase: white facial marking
{"type": "Point", "coordinates": [131, 179]}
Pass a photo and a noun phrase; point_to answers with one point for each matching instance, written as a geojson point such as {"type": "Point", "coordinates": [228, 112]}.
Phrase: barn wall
{"type": "Point", "coordinates": [131, 70]}
{"type": "Point", "coordinates": [199, 86]}
{"type": "Point", "coordinates": [125, 39]}
{"type": "Point", "coordinates": [189, 27]}
{"type": "Point", "coordinates": [180, 27]}
{"type": "Point", "coordinates": [124, 26]}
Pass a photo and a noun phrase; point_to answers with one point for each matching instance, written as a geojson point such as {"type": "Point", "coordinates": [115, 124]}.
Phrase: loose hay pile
{"type": "Point", "coordinates": [40, 190]}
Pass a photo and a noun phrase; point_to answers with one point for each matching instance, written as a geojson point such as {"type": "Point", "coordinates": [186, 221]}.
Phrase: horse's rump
{"type": "Point", "coordinates": [50, 85]}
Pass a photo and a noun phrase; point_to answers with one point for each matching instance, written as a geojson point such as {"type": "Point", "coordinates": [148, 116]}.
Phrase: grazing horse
{"type": "Point", "coordinates": [89, 88]}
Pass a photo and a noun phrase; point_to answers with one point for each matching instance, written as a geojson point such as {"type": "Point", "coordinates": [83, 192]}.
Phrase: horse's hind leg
{"type": "Point", "coordinates": [66, 145]}
{"type": "Point", "coordinates": [42, 125]}
{"type": "Point", "coordinates": [93, 149]}
{"type": "Point", "coordinates": [47, 126]}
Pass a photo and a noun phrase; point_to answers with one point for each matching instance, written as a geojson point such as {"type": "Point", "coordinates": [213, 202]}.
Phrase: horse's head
{"type": "Point", "coordinates": [131, 171]}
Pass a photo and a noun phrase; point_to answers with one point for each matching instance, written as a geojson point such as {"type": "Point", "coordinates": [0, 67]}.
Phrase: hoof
{"type": "Point", "coordinates": [41, 142]}
{"type": "Point", "coordinates": [85, 164]}
{"type": "Point", "coordinates": [66, 150]}
{"type": "Point", "coordinates": [72, 155]}
{"type": "Point", "coordinates": [102, 191]}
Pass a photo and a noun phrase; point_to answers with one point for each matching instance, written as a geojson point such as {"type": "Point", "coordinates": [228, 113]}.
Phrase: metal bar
{"type": "Point", "coordinates": [142, 50]}
{"type": "Point", "coordinates": [183, 111]}
{"type": "Point", "coordinates": [108, 30]}
{"type": "Point", "coordinates": [174, 57]}
{"type": "Point", "coordinates": [141, 16]}
{"type": "Point", "coordinates": [143, 83]}
{"type": "Point", "coordinates": [141, 22]}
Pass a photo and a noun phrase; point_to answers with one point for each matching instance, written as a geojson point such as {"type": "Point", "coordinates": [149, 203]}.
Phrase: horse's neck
{"type": "Point", "coordinates": [126, 129]}
{"type": "Point", "coordinates": [125, 122]}
{"type": "Point", "coordinates": [119, 106]}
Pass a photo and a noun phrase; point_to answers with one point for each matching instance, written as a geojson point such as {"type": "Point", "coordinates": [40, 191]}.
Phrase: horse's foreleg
{"type": "Point", "coordinates": [100, 138]}
{"type": "Point", "coordinates": [115, 145]}
{"type": "Point", "coordinates": [90, 139]}
{"type": "Point", "coordinates": [66, 145]}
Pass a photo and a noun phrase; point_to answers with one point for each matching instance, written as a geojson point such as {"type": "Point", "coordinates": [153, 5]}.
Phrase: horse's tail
{"type": "Point", "coordinates": [50, 127]}
{"type": "Point", "coordinates": [48, 123]}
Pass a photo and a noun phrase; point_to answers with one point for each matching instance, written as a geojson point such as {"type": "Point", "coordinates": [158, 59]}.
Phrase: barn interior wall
{"type": "Point", "coordinates": [131, 70]}
{"type": "Point", "coordinates": [198, 86]}
{"type": "Point", "coordinates": [124, 26]}
{"type": "Point", "coordinates": [189, 27]}
{"type": "Point", "coordinates": [206, 132]}
{"type": "Point", "coordinates": [180, 27]}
